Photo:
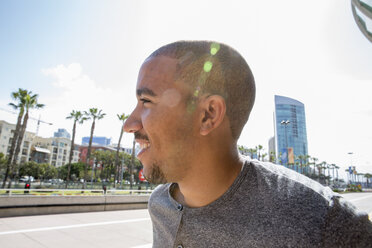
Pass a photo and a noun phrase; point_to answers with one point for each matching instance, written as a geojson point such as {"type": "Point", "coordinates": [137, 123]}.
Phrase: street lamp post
{"type": "Point", "coordinates": [285, 123]}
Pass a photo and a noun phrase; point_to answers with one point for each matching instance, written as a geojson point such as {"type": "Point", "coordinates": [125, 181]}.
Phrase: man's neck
{"type": "Point", "coordinates": [209, 181]}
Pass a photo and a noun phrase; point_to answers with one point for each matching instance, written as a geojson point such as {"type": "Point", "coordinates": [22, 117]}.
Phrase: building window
{"type": "Point", "coordinates": [55, 150]}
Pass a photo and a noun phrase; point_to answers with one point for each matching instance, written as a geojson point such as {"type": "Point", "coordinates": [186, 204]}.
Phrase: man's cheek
{"type": "Point", "coordinates": [171, 98]}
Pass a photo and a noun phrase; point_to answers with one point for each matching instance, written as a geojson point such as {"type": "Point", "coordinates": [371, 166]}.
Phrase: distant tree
{"type": "Point", "coordinates": [263, 156]}
{"type": "Point", "coordinates": [38, 171]}
{"type": "Point", "coordinates": [243, 150]}
{"type": "Point", "coordinates": [93, 114]}
{"type": "Point", "coordinates": [367, 176]}
{"type": "Point", "coordinates": [3, 161]}
{"type": "Point", "coordinates": [76, 170]}
{"type": "Point", "coordinates": [314, 165]}
{"type": "Point", "coordinates": [50, 171]}
{"type": "Point", "coordinates": [17, 96]}
{"type": "Point", "coordinates": [132, 164]}
{"type": "Point", "coordinates": [336, 167]}
{"type": "Point", "coordinates": [259, 149]}
{"type": "Point", "coordinates": [272, 157]}
{"type": "Point", "coordinates": [106, 160]}
{"type": "Point", "coordinates": [121, 118]}
{"type": "Point", "coordinates": [30, 102]}
{"type": "Point", "coordinates": [78, 117]}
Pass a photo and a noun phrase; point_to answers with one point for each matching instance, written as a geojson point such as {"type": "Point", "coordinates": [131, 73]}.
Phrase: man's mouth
{"type": "Point", "coordinates": [144, 144]}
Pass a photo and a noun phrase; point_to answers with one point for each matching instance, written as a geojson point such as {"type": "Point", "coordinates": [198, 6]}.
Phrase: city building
{"type": "Point", "coordinates": [54, 151]}
{"type": "Point", "coordinates": [127, 150]}
{"type": "Point", "coordinates": [83, 150]}
{"type": "Point", "coordinates": [272, 153]}
{"type": "Point", "coordinates": [62, 133]}
{"type": "Point", "coordinates": [6, 137]}
{"type": "Point", "coordinates": [289, 129]}
{"type": "Point", "coordinates": [362, 12]}
{"type": "Point", "coordinates": [97, 141]}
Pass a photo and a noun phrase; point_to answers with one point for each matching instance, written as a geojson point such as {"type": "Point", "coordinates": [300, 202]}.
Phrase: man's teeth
{"type": "Point", "coordinates": [144, 145]}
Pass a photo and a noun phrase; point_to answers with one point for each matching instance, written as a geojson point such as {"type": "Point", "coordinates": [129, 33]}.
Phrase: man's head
{"type": "Point", "coordinates": [215, 68]}
{"type": "Point", "coordinates": [186, 90]}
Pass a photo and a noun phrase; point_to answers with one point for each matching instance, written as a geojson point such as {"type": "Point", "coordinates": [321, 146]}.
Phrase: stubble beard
{"type": "Point", "coordinates": [156, 175]}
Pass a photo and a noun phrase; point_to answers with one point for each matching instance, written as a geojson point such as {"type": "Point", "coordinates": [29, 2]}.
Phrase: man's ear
{"type": "Point", "coordinates": [213, 112]}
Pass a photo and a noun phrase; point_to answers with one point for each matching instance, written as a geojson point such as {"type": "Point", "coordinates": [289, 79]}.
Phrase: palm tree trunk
{"type": "Point", "coordinates": [13, 145]}
{"type": "Point", "coordinates": [117, 157]}
{"type": "Point", "coordinates": [132, 165]}
{"type": "Point", "coordinates": [72, 147]}
{"type": "Point", "coordinates": [88, 155]}
{"type": "Point", "coordinates": [18, 147]}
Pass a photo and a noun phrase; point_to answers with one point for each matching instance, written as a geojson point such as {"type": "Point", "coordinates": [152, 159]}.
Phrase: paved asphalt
{"type": "Point", "coordinates": [130, 228]}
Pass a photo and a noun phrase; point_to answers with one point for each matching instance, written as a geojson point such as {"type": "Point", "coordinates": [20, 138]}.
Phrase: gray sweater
{"type": "Point", "coordinates": [266, 206]}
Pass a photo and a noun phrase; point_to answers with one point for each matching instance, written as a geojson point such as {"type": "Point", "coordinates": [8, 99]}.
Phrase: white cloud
{"type": "Point", "coordinates": [77, 91]}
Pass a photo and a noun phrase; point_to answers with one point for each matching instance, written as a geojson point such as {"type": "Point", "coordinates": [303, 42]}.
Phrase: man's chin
{"type": "Point", "coordinates": [154, 174]}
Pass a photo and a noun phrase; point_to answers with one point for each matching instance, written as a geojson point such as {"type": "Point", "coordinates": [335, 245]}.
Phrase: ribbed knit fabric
{"type": "Point", "coordinates": [266, 206]}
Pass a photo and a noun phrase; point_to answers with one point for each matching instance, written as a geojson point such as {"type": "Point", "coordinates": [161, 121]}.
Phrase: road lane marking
{"type": "Point", "coordinates": [360, 198]}
{"type": "Point", "coordinates": [143, 246]}
{"type": "Point", "coordinates": [73, 226]}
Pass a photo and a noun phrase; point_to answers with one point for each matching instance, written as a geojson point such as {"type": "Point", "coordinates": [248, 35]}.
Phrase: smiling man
{"type": "Point", "coordinates": [194, 98]}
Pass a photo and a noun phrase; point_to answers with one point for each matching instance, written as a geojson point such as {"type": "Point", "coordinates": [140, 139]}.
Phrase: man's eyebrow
{"type": "Point", "coordinates": [145, 91]}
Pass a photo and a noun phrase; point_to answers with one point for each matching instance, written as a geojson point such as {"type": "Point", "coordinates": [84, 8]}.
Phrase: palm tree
{"type": "Point", "coordinates": [30, 102]}
{"type": "Point", "coordinates": [251, 152]}
{"type": "Point", "coordinates": [94, 115]}
{"type": "Point", "coordinates": [258, 149]}
{"type": "Point", "coordinates": [301, 159]}
{"type": "Point", "coordinates": [314, 164]}
{"type": "Point", "coordinates": [306, 162]}
{"type": "Point", "coordinates": [78, 117]}
{"type": "Point", "coordinates": [263, 156]}
{"type": "Point", "coordinates": [333, 172]}
{"type": "Point", "coordinates": [336, 167]}
{"type": "Point", "coordinates": [272, 157]}
{"type": "Point", "coordinates": [132, 163]}
{"type": "Point", "coordinates": [19, 97]}
{"type": "Point", "coordinates": [121, 118]}
{"type": "Point", "coordinates": [367, 176]}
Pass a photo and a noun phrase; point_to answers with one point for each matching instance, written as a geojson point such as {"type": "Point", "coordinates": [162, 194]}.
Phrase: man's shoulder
{"type": "Point", "coordinates": [160, 194]}
{"type": "Point", "coordinates": [279, 178]}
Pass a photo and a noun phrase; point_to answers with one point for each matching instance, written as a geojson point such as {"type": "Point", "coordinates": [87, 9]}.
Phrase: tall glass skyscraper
{"type": "Point", "coordinates": [289, 128]}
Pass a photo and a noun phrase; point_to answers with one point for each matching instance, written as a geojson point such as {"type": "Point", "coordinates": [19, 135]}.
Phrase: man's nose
{"type": "Point", "coordinates": [132, 124]}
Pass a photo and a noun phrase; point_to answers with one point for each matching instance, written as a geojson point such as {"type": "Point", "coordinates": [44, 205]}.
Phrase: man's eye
{"type": "Point", "coordinates": [144, 100]}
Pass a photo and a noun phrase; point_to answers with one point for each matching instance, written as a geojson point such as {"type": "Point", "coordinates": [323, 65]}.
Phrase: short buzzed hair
{"type": "Point", "coordinates": [216, 68]}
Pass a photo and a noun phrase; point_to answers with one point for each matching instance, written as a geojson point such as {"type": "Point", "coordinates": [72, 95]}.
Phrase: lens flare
{"type": "Point", "coordinates": [208, 66]}
{"type": "Point", "coordinates": [215, 47]}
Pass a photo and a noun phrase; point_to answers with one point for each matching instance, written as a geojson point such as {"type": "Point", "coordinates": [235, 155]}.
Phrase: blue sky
{"type": "Point", "coordinates": [81, 54]}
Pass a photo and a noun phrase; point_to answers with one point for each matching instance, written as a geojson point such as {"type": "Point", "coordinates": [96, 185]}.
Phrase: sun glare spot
{"type": "Point", "coordinates": [215, 47]}
{"type": "Point", "coordinates": [208, 66]}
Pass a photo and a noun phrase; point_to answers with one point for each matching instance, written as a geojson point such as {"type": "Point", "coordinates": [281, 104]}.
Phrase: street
{"type": "Point", "coordinates": [127, 228]}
